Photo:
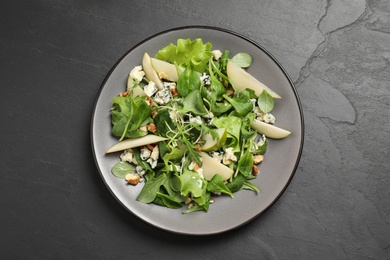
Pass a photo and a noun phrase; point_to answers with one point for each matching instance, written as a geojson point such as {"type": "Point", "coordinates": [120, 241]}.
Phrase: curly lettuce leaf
{"type": "Point", "coordinates": [187, 53]}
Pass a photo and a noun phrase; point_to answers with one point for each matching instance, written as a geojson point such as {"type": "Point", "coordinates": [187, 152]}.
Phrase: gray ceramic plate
{"type": "Point", "coordinates": [276, 171]}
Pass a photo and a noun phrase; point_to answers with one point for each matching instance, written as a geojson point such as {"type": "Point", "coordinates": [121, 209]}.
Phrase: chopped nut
{"type": "Point", "coordinates": [152, 127]}
{"type": "Point", "coordinates": [188, 201]}
{"type": "Point", "coordinates": [212, 200]}
{"type": "Point", "coordinates": [174, 91]}
{"type": "Point", "coordinates": [258, 158]}
{"type": "Point", "coordinates": [255, 170]}
{"type": "Point", "coordinates": [149, 101]}
{"type": "Point", "coordinates": [196, 167]}
{"type": "Point", "coordinates": [132, 178]}
{"type": "Point", "coordinates": [124, 94]}
{"type": "Point", "coordinates": [150, 146]}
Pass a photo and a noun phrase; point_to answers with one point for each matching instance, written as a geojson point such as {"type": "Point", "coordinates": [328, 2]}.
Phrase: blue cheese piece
{"type": "Point", "coordinates": [163, 96]}
{"type": "Point", "coordinates": [145, 153]}
{"type": "Point", "coordinates": [205, 79]}
{"type": "Point", "coordinates": [216, 155]}
{"type": "Point", "coordinates": [150, 89]}
{"type": "Point", "coordinates": [140, 170]}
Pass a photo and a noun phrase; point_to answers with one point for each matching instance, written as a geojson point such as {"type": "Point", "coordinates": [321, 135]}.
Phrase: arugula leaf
{"type": "Point", "coordinates": [187, 53]}
{"type": "Point", "coordinates": [217, 90]}
{"type": "Point", "coordinates": [242, 59]}
{"type": "Point", "coordinates": [150, 189]}
{"type": "Point", "coordinates": [265, 102]}
{"type": "Point", "coordinates": [216, 185]}
{"type": "Point", "coordinates": [121, 169]}
{"type": "Point", "coordinates": [164, 123]}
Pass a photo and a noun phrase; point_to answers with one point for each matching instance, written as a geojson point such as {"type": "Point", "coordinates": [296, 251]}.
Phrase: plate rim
{"type": "Point", "coordinates": [213, 28]}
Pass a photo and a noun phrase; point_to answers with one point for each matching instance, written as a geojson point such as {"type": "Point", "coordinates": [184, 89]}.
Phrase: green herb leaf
{"type": "Point", "coordinates": [237, 183]}
{"type": "Point", "coordinates": [241, 102]}
{"type": "Point", "coordinates": [121, 169]}
{"type": "Point", "coordinates": [216, 185]}
{"type": "Point", "coordinates": [265, 102]}
{"type": "Point", "coordinates": [193, 103]}
{"type": "Point", "coordinates": [188, 82]}
{"type": "Point", "coordinates": [168, 201]}
{"type": "Point", "coordinates": [245, 164]}
{"type": "Point", "coordinates": [250, 186]}
{"type": "Point", "coordinates": [192, 183]}
{"type": "Point", "coordinates": [242, 59]}
{"type": "Point", "coordinates": [150, 189]}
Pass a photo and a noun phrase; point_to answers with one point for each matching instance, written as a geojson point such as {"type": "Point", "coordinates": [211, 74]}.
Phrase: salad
{"type": "Point", "coordinates": [192, 125]}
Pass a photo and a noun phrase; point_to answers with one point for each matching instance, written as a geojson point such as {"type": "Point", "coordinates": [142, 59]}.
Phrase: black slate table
{"type": "Point", "coordinates": [54, 57]}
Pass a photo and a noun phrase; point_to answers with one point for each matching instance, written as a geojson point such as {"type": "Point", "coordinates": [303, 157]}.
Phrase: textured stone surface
{"type": "Point", "coordinates": [55, 54]}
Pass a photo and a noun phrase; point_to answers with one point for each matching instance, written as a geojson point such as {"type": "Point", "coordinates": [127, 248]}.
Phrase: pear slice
{"type": "Point", "coordinates": [150, 73]}
{"type": "Point", "coordinates": [242, 80]}
{"type": "Point", "coordinates": [131, 143]}
{"type": "Point", "coordinates": [165, 69]}
{"type": "Point", "coordinates": [213, 144]}
{"type": "Point", "coordinates": [212, 166]}
{"type": "Point", "coordinates": [268, 130]}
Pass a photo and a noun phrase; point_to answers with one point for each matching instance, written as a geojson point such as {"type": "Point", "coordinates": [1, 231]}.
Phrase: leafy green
{"type": "Point", "coordinates": [224, 59]}
{"type": "Point", "coordinates": [193, 103]}
{"type": "Point", "coordinates": [192, 183]}
{"type": "Point", "coordinates": [127, 116]}
{"type": "Point", "coordinates": [168, 201]}
{"type": "Point", "coordinates": [216, 185]}
{"type": "Point", "coordinates": [121, 169]}
{"type": "Point", "coordinates": [188, 82]}
{"type": "Point", "coordinates": [236, 183]}
{"type": "Point", "coordinates": [250, 186]}
{"type": "Point", "coordinates": [197, 207]}
{"type": "Point", "coordinates": [265, 102]}
{"type": "Point", "coordinates": [187, 53]}
{"type": "Point", "coordinates": [164, 123]}
{"type": "Point", "coordinates": [245, 164]}
{"type": "Point", "coordinates": [242, 59]}
{"type": "Point", "coordinates": [233, 127]}
{"type": "Point", "coordinates": [241, 102]}
{"type": "Point", "coordinates": [152, 186]}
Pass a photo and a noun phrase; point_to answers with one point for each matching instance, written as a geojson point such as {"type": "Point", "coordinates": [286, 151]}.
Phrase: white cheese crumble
{"type": "Point", "coordinates": [150, 89]}
{"type": "Point", "coordinates": [229, 156]}
{"type": "Point", "coordinates": [196, 119]}
{"type": "Point", "coordinates": [155, 153]}
{"type": "Point", "coordinates": [127, 155]}
{"type": "Point", "coordinates": [137, 73]}
{"type": "Point", "coordinates": [216, 54]}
